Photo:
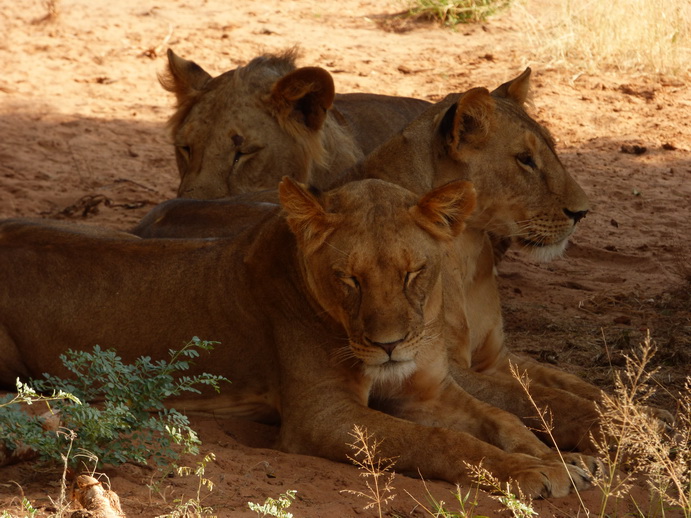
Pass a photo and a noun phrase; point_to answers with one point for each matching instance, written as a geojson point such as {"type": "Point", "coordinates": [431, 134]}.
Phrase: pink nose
{"type": "Point", "coordinates": [388, 347]}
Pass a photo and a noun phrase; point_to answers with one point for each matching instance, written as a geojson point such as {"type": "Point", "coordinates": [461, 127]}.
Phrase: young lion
{"type": "Point", "coordinates": [245, 129]}
{"type": "Point", "coordinates": [320, 309]}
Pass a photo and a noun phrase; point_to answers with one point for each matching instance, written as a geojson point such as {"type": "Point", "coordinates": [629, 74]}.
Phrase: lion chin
{"type": "Point", "coordinates": [544, 253]}
{"type": "Point", "coordinates": [391, 372]}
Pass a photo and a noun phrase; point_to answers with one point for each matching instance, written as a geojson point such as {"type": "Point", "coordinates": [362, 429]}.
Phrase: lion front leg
{"type": "Point", "coordinates": [447, 405]}
{"type": "Point", "coordinates": [456, 409]}
{"type": "Point", "coordinates": [323, 428]}
{"type": "Point", "coordinates": [556, 416]}
{"type": "Point", "coordinates": [542, 375]}
{"type": "Point", "coordinates": [548, 376]}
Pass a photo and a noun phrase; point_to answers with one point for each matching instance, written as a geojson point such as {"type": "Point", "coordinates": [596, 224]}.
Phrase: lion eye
{"type": "Point", "coordinates": [411, 276]}
{"type": "Point", "coordinates": [237, 157]}
{"type": "Point", "coordinates": [185, 151]}
{"type": "Point", "coordinates": [239, 153]}
{"type": "Point", "coordinates": [526, 159]}
{"type": "Point", "coordinates": [349, 280]}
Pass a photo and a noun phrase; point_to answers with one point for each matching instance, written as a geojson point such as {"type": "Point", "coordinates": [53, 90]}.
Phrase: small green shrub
{"type": "Point", "coordinates": [131, 424]}
{"type": "Point", "coordinates": [453, 12]}
{"type": "Point", "coordinates": [29, 510]}
{"type": "Point", "coordinates": [193, 508]}
{"type": "Point", "coordinates": [26, 394]}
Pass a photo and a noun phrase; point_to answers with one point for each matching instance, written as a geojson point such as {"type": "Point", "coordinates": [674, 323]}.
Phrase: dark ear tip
{"type": "Point", "coordinates": [447, 123]}
{"type": "Point", "coordinates": [314, 191]}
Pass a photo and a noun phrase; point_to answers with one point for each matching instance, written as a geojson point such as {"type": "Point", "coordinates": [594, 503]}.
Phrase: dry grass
{"type": "Point", "coordinates": [646, 36]}
{"type": "Point", "coordinates": [637, 441]}
{"type": "Point", "coordinates": [453, 12]}
{"type": "Point", "coordinates": [376, 470]}
{"type": "Point", "coordinates": [634, 437]}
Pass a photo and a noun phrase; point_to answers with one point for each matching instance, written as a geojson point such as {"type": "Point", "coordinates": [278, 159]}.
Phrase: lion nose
{"type": "Point", "coordinates": [388, 347]}
{"type": "Point", "coordinates": [576, 216]}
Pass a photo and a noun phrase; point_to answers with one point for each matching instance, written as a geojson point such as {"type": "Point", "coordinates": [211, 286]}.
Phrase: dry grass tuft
{"type": "Point", "coordinates": [376, 470]}
{"type": "Point", "coordinates": [646, 36]}
{"type": "Point", "coordinates": [453, 12]}
{"type": "Point", "coordinates": [638, 440]}
{"type": "Point", "coordinates": [638, 437]}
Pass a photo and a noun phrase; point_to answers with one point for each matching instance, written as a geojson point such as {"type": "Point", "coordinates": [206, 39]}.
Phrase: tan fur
{"type": "Point", "coordinates": [245, 129]}
{"type": "Point", "coordinates": [333, 306]}
{"type": "Point", "coordinates": [523, 193]}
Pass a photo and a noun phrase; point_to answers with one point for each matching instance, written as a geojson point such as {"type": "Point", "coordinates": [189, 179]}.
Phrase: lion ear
{"type": "Point", "coordinates": [304, 213]}
{"type": "Point", "coordinates": [304, 95]}
{"type": "Point", "coordinates": [469, 120]}
{"type": "Point", "coordinates": [518, 89]}
{"type": "Point", "coordinates": [443, 211]}
{"type": "Point", "coordinates": [184, 78]}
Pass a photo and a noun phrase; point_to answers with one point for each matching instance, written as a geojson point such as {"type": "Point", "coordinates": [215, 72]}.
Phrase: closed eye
{"type": "Point", "coordinates": [526, 159]}
{"type": "Point", "coordinates": [237, 157]}
{"type": "Point", "coordinates": [239, 153]}
{"type": "Point", "coordinates": [352, 282]}
{"type": "Point", "coordinates": [411, 276]}
{"type": "Point", "coordinates": [349, 280]}
{"type": "Point", "coordinates": [185, 151]}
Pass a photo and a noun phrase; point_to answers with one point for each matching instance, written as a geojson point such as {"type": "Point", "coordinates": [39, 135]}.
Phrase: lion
{"type": "Point", "coordinates": [524, 194]}
{"type": "Point", "coordinates": [325, 304]}
{"type": "Point", "coordinates": [245, 129]}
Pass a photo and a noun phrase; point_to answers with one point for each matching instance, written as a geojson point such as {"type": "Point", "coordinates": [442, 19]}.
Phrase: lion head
{"type": "Point", "coordinates": [245, 129]}
{"type": "Point", "coordinates": [523, 190]}
{"type": "Point", "coordinates": [372, 255]}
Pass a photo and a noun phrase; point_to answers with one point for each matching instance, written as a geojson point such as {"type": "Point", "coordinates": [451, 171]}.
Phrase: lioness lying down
{"type": "Point", "coordinates": [321, 309]}
{"type": "Point", "coordinates": [245, 129]}
{"type": "Point", "coordinates": [523, 193]}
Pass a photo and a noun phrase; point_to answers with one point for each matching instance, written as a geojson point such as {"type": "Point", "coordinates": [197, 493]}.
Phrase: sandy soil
{"type": "Point", "coordinates": [82, 123]}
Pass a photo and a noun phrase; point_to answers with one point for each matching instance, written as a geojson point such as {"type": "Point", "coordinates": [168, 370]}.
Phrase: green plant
{"type": "Point", "coordinates": [467, 502]}
{"type": "Point", "coordinates": [276, 508]}
{"type": "Point", "coordinates": [30, 510]}
{"type": "Point", "coordinates": [27, 395]}
{"type": "Point", "coordinates": [516, 502]}
{"type": "Point", "coordinates": [131, 423]}
{"type": "Point", "coordinates": [453, 12]}
{"type": "Point", "coordinates": [376, 470]}
{"type": "Point", "coordinates": [193, 507]}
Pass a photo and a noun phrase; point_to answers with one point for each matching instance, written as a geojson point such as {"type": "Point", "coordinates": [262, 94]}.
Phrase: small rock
{"type": "Point", "coordinates": [633, 149]}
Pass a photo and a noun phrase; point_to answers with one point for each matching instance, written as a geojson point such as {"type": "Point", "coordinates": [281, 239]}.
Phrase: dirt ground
{"type": "Point", "coordinates": [82, 126]}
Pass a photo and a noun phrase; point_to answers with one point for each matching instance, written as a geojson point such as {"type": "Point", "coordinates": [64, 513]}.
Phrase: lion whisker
{"type": "Point", "coordinates": [343, 253]}
{"type": "Point", "coordinates": [343, 354]}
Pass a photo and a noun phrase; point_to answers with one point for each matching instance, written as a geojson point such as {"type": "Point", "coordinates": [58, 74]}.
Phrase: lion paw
{"type": "Point", "coordinates": [665, 418]}
{"type": "Point", "coordinates": [592, 465]}
{"type": "Point", "coordinates": [548, 479]}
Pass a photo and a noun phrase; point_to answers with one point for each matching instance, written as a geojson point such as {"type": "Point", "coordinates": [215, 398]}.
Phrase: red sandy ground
{"type": "Point", "coordinates": [82, 124]}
